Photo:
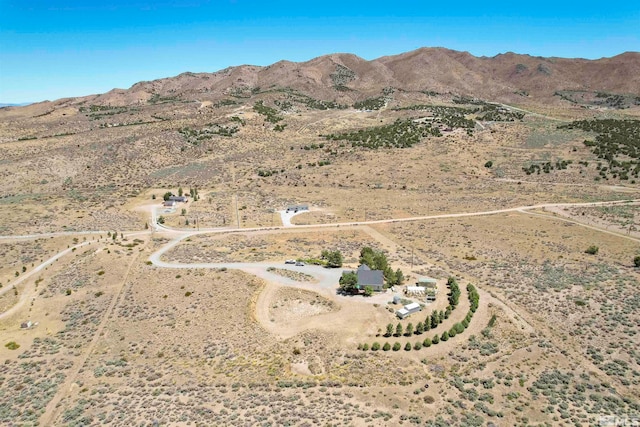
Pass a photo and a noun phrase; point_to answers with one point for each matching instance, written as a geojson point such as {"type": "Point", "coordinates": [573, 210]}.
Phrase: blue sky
{"type": "Point", "coordinates": [59, 48]}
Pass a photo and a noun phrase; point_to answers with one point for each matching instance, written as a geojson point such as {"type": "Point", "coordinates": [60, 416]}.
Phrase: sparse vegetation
{"type": "Point", "coordinates": [270, 114]}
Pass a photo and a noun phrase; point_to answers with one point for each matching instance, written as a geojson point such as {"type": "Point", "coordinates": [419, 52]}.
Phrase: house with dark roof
{"type": "Point", "coordinates": [369, 277]}
{"type": "Point", "coordinates": [181, 199]}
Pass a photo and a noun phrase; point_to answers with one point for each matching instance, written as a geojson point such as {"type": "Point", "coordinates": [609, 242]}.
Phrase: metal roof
{"type": "Point", "coordinates": [370, 277]}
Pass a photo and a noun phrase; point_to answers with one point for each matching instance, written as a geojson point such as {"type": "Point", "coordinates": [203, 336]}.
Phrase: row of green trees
{"type": "Point", "coordinates": [193, 192]}
{"type": "Point", "coordinates": [456, 329]}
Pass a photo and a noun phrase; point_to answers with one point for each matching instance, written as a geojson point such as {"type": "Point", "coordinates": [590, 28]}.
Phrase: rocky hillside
{"type": "Point", "coordinates": [347, 78]}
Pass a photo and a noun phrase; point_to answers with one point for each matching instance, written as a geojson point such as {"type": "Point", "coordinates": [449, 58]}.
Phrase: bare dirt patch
{"type": "Point", "coordinates": [291, 305]}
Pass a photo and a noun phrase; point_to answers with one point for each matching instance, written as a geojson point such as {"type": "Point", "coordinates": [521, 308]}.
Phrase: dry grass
{"type": "Point", "coordinates": [194, 347]}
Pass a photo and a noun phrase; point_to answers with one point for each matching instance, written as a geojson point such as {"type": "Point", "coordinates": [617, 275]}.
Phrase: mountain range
{"type": "Point", "coordinates": [346, 77]}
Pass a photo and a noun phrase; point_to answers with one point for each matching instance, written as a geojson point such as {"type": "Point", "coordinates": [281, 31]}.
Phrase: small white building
{"type": "Point", "coordinates": [408, 310]}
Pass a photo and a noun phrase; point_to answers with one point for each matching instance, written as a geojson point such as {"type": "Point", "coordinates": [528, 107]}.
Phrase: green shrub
{"type": "Point", "coordinates": [407, 347]}
{"type": "Point", "coordinates": [386, 346]}
{"type": "Point", "coordinates": [426, 342]}
{"type": "Point", "coordinates": [375, 346]}
{"type": "Point", "coordinates": [592, 250]}
{"type": "Point", "coordinates": [12, 345]}
{"type": "Point", "coordinates": [417, 345]}
{"type": "Point", "coordinates": [396, 346]}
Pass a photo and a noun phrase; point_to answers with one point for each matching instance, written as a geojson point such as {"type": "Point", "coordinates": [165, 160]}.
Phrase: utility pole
{"type": "Point", "coordinates": [237, 212]}
{"type": "Point", "coordinates": [411, 259]}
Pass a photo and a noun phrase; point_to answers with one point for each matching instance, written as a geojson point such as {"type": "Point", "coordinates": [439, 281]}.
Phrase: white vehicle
{"type": "Point", "coordinates": [300, 264]}
{"type": "Point", "coordinates": [290, 261]}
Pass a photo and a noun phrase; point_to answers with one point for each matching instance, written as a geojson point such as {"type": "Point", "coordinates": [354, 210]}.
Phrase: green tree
{"type": "Point", "coordinates": [426, 342]}
{"type": "Point", "coordinates": [417, 345]}
{"type": "Point", "coordinates": [435, 339]}
{"type": "Point", "coordinates": [636, 261]}
{"type": "Point", "coordinates": [375, 346]}
{"type": "Point", "coordinates": [349, 283]}
{"type": "Point", "coordinates": [160, 220]}
{"type": "Point", "coordinates": [399, 330]}
{"type": "Point", "coordinates": [427, 324]}
{"type": "Point", "coordinates": [184, 212]}
{"type": "Point", "coordinates": [409, 330]}
{"type": "Point", "coordinates": [180, 191]}
{"type": "Point", "coordinates": [444, 336]}
{"type": "Point", "coordinates": [380, 261]}
{"type": "Point", "coordinates": [365, 347]}
{"type": "Point", "coordinates": [396, 346]}
{"type": "Point", "coordinates": [366, 257]}
{"type": "Point", "coordinates": [419, 328]}
{"type": "Point", "coordinates": [447, 312]}
{"type": "Point", "coordinates": [389, 330]}
{"type": "Point", "coordinates": [333, 258]}
{"type": "Point", "coordinates": [386, 346]}
{"type": "Point", "coordinates": [459, 328]}
{"type": "Point", "coordinates": [167, 195]}
{"type": "Point", "coordinates": [407, 347]}
{"type": "Point", "coordinates": [488, 164]}
{"type": "Point", "coordinates": [399, 277]}
{"type": "Point", "coordinates": [368, 291]}
{"type": "Point", "coordinates": [435, 320]}
{"type": "Point", "coordinates": [389, 276]}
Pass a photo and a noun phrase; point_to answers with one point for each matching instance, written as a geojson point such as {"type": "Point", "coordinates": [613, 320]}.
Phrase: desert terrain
{"type": "Point", "coordinates": [513, 177]}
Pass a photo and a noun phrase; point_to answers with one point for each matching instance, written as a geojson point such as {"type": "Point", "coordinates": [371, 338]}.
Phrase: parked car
{"type": "Point", "coordinates": [300, 264]}
{"type": "Point", "coordinates": [290, 261]}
